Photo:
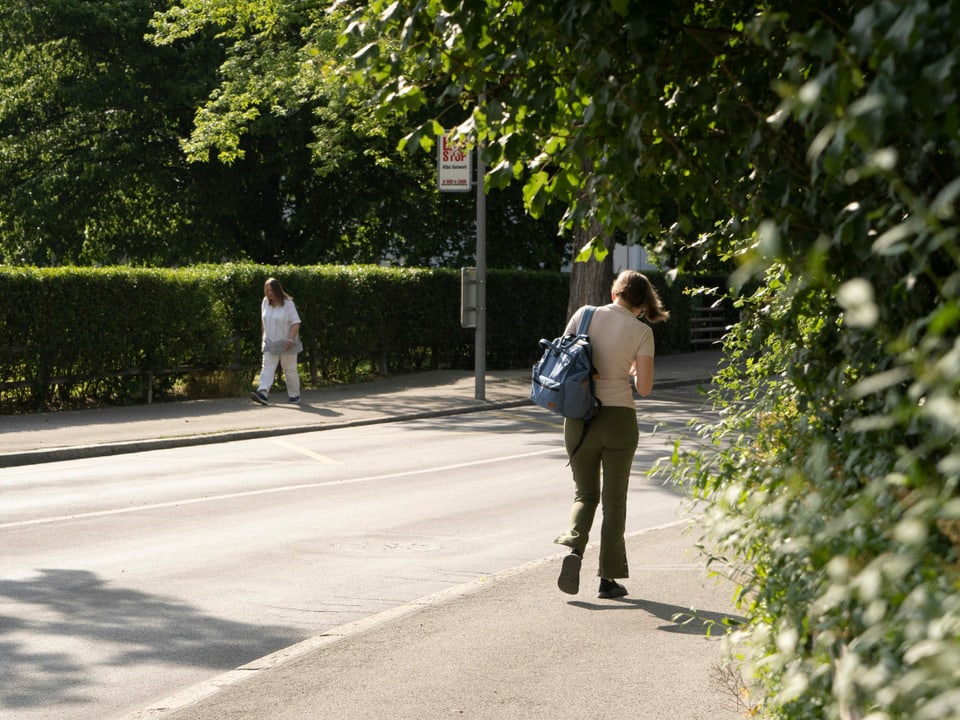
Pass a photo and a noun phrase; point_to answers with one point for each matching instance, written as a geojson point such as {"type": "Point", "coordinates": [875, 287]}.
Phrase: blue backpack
{"type": "Point", "coordinates": [563, 377]}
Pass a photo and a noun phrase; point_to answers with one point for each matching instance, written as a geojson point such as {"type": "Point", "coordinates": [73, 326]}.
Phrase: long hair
{"type": "Point", "coordinates": [278, 291]}
{"type": "Point", "coordinates": [636, 289]}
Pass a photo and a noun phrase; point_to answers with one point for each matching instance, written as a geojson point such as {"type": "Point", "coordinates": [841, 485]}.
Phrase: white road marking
{"type": "Point", "coordinates": [325, 459]}
{"type": "Point", "coordinates": [267, 491]}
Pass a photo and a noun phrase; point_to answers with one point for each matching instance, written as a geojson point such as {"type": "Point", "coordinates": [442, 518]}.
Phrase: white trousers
{"type": "Point", "coordinates": [288, 361]}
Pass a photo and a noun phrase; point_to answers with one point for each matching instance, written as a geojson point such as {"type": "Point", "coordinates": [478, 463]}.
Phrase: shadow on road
{"type": "Point", "coordinates": [80, 626]}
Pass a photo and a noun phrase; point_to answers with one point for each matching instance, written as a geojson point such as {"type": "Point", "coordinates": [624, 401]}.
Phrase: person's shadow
{"type": "Point", "coordinates": [685, 620]}
{"type": "Point", "coordinates": [305, 407]}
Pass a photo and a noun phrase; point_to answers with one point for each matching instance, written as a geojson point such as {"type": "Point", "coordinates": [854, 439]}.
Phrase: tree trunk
{"type": "Point", "coordinates": [590, 281]}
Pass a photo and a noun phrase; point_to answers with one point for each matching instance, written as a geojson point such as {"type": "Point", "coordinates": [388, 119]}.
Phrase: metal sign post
{"type": "Point", "coordinates": [480, 342]}
{"type": "Point", "coordinates": [454, 175]}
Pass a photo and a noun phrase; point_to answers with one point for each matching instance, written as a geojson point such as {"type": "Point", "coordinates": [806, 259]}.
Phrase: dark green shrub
{"type": "Point", "coordinates": [120, 335]}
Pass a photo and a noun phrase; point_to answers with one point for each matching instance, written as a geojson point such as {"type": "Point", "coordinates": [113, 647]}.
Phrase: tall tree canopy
{"type": "Point", "coordinates": [88, 111]}
{"type": "Point", "coordinates": [220, 141]}
{"type": "Point", "coordinates": [816, 145]}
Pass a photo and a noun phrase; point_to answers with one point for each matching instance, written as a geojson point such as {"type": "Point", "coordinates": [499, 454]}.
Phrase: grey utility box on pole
{"type": "Point", "coordinates": [468, 297]}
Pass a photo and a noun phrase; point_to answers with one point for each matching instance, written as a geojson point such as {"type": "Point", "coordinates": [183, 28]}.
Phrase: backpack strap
{"type": "Point", "coordinates": [585, 320]}
{"type": "Point", "coordinates": [582, 330]}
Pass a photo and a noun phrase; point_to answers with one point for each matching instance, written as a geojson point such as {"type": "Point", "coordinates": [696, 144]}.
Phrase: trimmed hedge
{"type": "Point", "coordinates": [69, 334]}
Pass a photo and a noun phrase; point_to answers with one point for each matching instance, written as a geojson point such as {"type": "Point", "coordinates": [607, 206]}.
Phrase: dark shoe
{"type": "Point", "coordinates": [611, 589]}
{"type": "Point", "coordinates": [258, 397]}
{"type": "Point", "coordinates": [294, 400]}
{"type": "Point", "coordinates": [569, 580]}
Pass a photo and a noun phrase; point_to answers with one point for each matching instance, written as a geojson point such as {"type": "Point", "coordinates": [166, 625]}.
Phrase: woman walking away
{"type": "Point", "coordinates": [280, 342]}
{"type": "Point", "coordinates": [623, 356]}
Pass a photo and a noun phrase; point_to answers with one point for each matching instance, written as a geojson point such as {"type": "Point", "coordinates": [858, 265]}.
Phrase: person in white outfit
{"type": "Point", "coordinates": [280, 341]}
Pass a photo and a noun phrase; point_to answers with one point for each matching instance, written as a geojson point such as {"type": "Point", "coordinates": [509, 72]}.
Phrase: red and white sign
{"type": "Point", "coordinates": [454, 170]}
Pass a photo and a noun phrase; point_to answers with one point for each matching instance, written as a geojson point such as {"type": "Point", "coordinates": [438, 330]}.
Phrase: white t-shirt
{"type": "Point", "coordinates": [277, 320]}
{"type": "Point", "coordinates": [617, 338]}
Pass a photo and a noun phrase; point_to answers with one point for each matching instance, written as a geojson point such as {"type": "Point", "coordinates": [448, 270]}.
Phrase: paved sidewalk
{"type": "Point", "coordinates": [508, 647]}
{"type": "Point", "coordinates": [52, 436]}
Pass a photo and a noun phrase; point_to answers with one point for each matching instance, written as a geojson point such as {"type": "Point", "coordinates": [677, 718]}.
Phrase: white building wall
{"type": "Point", "coordinates": [631, 257]}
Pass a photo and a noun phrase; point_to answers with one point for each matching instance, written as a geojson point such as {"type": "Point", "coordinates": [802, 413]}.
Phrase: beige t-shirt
{"type": "Point", "coordinates": [617, 338]}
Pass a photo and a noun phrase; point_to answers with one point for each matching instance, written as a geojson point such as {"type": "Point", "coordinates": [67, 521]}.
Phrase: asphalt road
{"type": "Point", "coordinates": [126, 579]}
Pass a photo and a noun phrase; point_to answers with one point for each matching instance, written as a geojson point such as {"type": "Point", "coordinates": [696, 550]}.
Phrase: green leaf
{"type": "Point", "coordinates": [533, 192]}
{"type": "Point", "coordinates": [620, 7]}
{"type": "Point", "coordinates": [367, 54]}
{"type": "Point", "coordinates": [944, 204]}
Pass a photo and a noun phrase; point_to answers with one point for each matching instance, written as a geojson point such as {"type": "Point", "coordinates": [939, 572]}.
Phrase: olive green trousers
{"type": "Point", "coordinates": [601, 476]}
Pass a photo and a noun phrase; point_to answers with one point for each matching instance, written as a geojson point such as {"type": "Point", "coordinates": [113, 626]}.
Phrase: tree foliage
{"type": "Point", "coordinates": [133, 131]}
{"type": "Point", "coordinates": [623, 115]}
{"type": "Point", "coordinates": [88, 114]}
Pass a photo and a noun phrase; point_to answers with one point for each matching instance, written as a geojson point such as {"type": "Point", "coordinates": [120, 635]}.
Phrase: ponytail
{"type": "Point", "coordinates": [639, 292]}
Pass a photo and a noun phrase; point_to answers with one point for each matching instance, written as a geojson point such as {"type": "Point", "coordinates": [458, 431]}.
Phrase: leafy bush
{"type": "Point", "coordinates": [120, 335]}
{"type": "Point", "coordinates": [832, 481]}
